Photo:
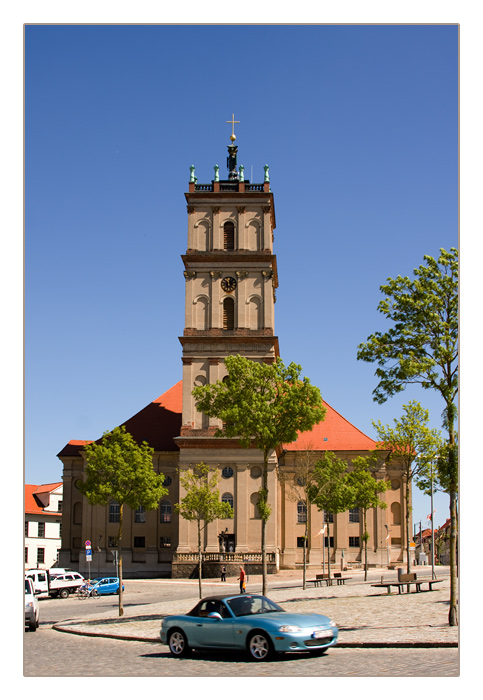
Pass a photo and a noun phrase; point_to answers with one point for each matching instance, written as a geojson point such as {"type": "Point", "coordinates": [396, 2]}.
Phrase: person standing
{"type": "Point", "coordinates": [242, 578]}
{"type": "Point", "coordinates": [223, 573]}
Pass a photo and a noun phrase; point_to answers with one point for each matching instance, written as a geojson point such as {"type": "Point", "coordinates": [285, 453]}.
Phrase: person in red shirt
{"type": "Point", "coordinates": [242, 578]}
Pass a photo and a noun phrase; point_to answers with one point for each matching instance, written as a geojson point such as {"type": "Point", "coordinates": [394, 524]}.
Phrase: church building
{"type": "Point", "coordinates": [231, 277]}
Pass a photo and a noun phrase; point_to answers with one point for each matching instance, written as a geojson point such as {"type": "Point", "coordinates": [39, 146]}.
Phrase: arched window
{"type": "Point", "coordinates": [201, 314]}
{"type": "Point", "coordinates": [255, 313]}
{"type": "Point", "coordinates": [165, 512]}
{"type": "Point", "coordinates": [229, 235]}
{"type": "Point", "coordinates": [77, 516]}
{"type": "Point", "coordinates": [228, 314]}
{"type": "Point", "coordinates": [227, 498]}
{"type": "Point", "coordinates": [396, 513]}
{"type": "Point", "coordinates": [301, 512]}
{"type": "Point", "coordinates": [254, 512]}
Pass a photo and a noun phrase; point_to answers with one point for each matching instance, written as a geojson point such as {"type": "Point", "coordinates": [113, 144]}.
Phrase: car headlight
{"type": "Point", "coordinates": [332, 623]}
{"type": "Point", "coordinates": [291, 629]}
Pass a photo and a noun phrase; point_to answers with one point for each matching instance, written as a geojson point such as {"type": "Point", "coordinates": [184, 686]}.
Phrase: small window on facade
{"type": "Point", "coordinates": [354, 515]}
{"type": "Point", "coordinates": [26, 529]}
{"type": "Point", "coordinates": [229, 235]}
{"type": "Point", "coordinates": [300, 541]}
{"type": "Point", "coordinates": [140, 515]}
{"type": "Point", "coordinates": [165, 511]}
{"type": "Point", "coordinates": [59, 506]}
{"type": "Point", "coordinates": [114, 512]}
{"type": "Point", "coordinates": [301, 512]}
{"type": "Point", "coordinates": [139, 542]}
{"type": "Point", "coordinates": [164, 542]}
{"type": "Point", "coordinates": [228, 314]}
{"type": "Point", "coordinates": [227, 473]}
{"type": "Point", "coordinates": [326, 542]}
{"type": "Point", "coordinates": [227, 498]}
{"type": "Point", "coordinates": [112, 542]}
{"type": "Point", "coordinates": [26, 554]}
{"type": "Point", "coordinates": [41, 531]}
{"type": "Point", "coordinates": [354, 542]}
{"type": "Point", "coordinates": [328, 517]}
{"type": "Point", "coordinates": [40, 555]}
{"type": "Point", "coordinates": [167, 481]}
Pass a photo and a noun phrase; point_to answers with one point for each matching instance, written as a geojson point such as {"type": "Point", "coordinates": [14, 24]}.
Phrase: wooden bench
{"type": "Point", "coordinates": [324, 578]}
{"type": "Point", "coordinates": [401, 584]}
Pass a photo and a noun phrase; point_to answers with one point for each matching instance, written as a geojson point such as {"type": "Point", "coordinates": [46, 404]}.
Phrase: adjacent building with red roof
{"type": "Point", "coordinates": [43, 522]}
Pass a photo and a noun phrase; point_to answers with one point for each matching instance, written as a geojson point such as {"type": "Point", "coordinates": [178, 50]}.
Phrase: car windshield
{"type": "Point", "coordinates": [252, 605]}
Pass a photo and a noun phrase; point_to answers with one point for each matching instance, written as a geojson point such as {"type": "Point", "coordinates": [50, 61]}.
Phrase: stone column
{"type": "Point", "coordinates": [189, 276]}
{"type": "Point", "coordinates": [242, 504]}
{"type": "Point", "coordinates": [267, 229]}
{"type": "Point", "coordinates": [191, 229]}
{"type": "Point", "coordinates": [216, 306]}
{"type": "Point", "coordinates": [241, 300]}
{"type": "Point", "coordinates": [241, 237]}
{"type": "Point", "coordinates": [183, 525]}
{"type": "Point", "coordinates": [267, 276]}
{"type": "Point", "coordinates": [216, 238]}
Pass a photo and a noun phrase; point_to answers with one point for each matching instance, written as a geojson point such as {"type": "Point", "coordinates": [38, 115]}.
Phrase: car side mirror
{"type": "Point", "coordinates": [215, 616]}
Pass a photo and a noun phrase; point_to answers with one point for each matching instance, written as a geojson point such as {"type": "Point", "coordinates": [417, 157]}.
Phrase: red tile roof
{"type": "Point", "coordinates": [332, 434]}
{"type": "Point", "coordinates": [32, 504]}
{"type": "Point", "coordinates": [160, 421]}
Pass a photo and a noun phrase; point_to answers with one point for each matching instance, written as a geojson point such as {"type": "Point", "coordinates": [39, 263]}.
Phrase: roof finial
{"type": "Point", "coordinates": [232, 122]}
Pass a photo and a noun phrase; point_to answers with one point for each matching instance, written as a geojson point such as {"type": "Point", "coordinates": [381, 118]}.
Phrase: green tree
{"type": "Point", "coordinates": [331, 489]}
{"type": "Point", "coordinates": [263, 405]}
{"type": "Point", "coordinates": [201, 503]}
{"type": "Point", "coordinates": [119, 470]}
{"type": "Point", "coordinates": [366, 490]}
{"type": "Point", "coordinates": [414, 446]}
{"type": "Point", "coordinates": [421, 347]}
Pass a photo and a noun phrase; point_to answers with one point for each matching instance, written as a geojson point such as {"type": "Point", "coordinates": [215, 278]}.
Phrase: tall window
{"type": "Point", "coordinates": [228, 314]}
{"type": "Point", "coordinates": [301, 512]}
{"type": "Point", "coordinates": [328, 517]}
{"type": "Point", "coordinates": [229, 235]}
{"type": "Point", "coordinates": [227, 498]}
{"type": "Point", "coordinates": [165, 512]}
{"type": "Point", "coordinates": [354, 515]}
{"type": "Point", "coordinates": [114, 512]}
{"type": "Point", "coordinates": [140, 515]}
{"type": "Point", "coordinates": [40, 555]}
{"type": "Point", "coordinates": [41, 532]}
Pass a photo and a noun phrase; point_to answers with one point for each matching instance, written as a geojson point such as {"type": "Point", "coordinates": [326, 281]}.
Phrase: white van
{"type": "Point", "coordinates": [58, 585]}
{"type": "Point", "coordinates": [32, 616]}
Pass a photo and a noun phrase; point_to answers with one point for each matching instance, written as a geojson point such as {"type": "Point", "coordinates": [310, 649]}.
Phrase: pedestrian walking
{"type": "Point", "coordinates": [223, 573]}
{"type": "Point", "coordinates": [242, 578]}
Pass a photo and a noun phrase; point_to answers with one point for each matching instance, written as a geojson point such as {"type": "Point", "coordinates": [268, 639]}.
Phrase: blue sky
{"type": "Point", "coordinates": [359, 125]}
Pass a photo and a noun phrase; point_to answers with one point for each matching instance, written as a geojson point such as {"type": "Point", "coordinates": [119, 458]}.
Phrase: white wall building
{"type": "Point", "coordinates": [43, 522]}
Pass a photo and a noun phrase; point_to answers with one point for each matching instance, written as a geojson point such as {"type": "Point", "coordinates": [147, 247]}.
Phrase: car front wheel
{"type": "Point", "coordinates": [260, 647]}
{"type": "Point", "coordinates": [64, 593]}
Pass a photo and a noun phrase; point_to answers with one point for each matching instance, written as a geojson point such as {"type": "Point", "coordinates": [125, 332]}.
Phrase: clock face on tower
{"type": "Point", "coordinates": [228, 284]}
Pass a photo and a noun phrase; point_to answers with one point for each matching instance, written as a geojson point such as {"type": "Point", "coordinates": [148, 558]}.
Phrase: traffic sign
{"type": "Point", "coordinates": [88, 544]}
{"type": "Point", "coordinates": [88, 552]}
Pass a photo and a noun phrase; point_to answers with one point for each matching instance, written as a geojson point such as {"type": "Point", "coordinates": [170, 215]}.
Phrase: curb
{"type": "Point", "coordinates": [341, 645]}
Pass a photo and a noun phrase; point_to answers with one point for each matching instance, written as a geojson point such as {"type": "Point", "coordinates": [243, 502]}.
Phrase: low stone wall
{"type": "Point", "coordinates": [213, 569]}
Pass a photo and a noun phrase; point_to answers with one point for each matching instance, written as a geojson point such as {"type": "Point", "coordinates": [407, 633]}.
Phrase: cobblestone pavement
{"type": "Point", "coordinates": [364, 615]}
{"type": "Point", "coordinates": [50, 654]}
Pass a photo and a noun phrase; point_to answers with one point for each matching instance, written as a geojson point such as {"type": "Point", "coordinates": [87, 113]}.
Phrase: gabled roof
{"type": "Point", "coordinates": [160, 421]}
{"type": "Point", "coordinates": [33, 504]}
{"type": "Point", "coordinates": [332, 434]}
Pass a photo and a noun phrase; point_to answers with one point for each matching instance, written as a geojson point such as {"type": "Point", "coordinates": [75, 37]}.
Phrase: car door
{"type": "Point", "coordinates": [213, 632]}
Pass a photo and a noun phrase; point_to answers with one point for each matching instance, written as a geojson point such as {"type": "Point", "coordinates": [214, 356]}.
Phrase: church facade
{"type": "Point", "coordinates": [231, 278]}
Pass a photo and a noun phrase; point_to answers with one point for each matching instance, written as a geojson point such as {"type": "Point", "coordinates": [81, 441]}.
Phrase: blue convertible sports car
{"type": "Point", "coordinates": [251, 623]}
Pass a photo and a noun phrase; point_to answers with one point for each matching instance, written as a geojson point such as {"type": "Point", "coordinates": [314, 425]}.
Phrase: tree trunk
{"type": "Point", "coordinates": [304, 585]}
{"type": "Point", "coordinates": [408, 512]}
{"type": "Point", "coordinates": [200, 561]}
{"type": "Point", "coordinates": [328, 546]}
{"type": "Point", "coordinates": [119, 558]}
{"type": "Point", "coordinates": [453, 557]}
{"type": "Point", "coordinates": [364, 520]}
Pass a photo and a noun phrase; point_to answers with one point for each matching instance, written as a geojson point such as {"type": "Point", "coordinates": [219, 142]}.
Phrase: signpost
{"type": "Point", "coordinates": [88, 555]}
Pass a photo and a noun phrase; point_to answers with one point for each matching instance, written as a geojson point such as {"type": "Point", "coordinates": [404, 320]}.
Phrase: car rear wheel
{"type": "Point", "coordinates": [178, 644]}
{"type": "Point", "coordinates": [260, 647]}
{"type": "Point", "coordinates": [64, 593]}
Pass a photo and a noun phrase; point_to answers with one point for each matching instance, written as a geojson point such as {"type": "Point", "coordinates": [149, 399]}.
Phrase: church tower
{"type": "Point", "coordinates": [231, 278]}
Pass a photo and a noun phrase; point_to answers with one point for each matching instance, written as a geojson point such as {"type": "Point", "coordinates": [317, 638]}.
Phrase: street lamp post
{"type": "Point", "coordinates": [433, 575]}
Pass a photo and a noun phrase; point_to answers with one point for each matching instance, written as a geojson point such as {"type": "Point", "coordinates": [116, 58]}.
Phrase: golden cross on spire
{"type": "Point", "coordinates": [232, 122]}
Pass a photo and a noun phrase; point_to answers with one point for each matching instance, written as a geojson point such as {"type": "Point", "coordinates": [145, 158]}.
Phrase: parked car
{"type": "Point", "coordinates": [32, 616]}
{"type": "Point", "coordinates": [105, 585]}
{"type": "Point", "coordinates": [251, 623]}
